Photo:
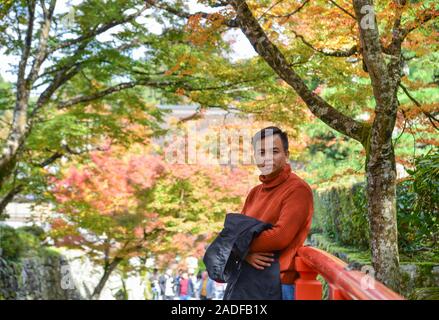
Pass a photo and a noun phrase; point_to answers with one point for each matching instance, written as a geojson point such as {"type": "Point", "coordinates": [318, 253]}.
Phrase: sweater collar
{"type": "Point", "coordinates": [277, 179]}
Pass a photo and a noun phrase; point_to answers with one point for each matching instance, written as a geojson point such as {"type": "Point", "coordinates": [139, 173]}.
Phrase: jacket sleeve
{"type": "Point", "coordinates": [295, 211]}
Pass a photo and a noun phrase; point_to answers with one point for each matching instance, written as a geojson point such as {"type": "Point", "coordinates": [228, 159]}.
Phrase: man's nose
{"type": "Point", "coordinates": [264, 159]}
{"type": "Point", "coordinates": [268, 159]}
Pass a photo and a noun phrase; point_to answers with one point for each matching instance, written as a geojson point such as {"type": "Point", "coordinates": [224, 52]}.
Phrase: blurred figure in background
{"type": "Point", "coordinates": [206, 288]}
{"type": "Point", "coordinates": [162, 284]}
{"type": "Point", "coordinates": [177, 282]}
{"type": "Point", "coordinates": [155, 285]}
{"type": "Point", "coordinates": [169, 285]}
{"type": "Point", "coordinates": [195, 284]}
{"type": "Point", "coordinates": [186, 287]}
{"type": "Point", "coordinates": [219, 289]}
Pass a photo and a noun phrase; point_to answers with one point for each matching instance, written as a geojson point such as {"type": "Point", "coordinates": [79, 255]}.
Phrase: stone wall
{"type": "Point", "coordinates": [35, 278]}
{"type": "Point", "coordinates": [68, 275]}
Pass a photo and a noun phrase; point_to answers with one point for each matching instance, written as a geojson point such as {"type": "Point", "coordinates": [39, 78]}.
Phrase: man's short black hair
{"type": "Point", "coordinates": [271, 131]}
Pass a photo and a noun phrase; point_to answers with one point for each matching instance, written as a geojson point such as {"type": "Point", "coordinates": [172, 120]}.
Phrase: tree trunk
{"type": "Point", "coordinates": [7, 199]}
{"type": "Point", "coordinates": [107, 272]}
{"type": "Point", "coordinates": [381, 195]}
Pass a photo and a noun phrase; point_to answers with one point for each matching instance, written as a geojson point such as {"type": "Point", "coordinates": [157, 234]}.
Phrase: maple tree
{"type": "Point", "coordinates": [82, 70]}
{"type": "Point", "coordinates": [100, 211]}
{"type": "Point", "coordinates": [130, 202]}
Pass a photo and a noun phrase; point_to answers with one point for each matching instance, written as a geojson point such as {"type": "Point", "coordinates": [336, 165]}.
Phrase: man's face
{"type": "Point", "coordinates": [270, 155]}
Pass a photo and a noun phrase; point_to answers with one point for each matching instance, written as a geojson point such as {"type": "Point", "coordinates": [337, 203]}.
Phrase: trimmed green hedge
{"type": "Point", "coordinates": [341, 214]}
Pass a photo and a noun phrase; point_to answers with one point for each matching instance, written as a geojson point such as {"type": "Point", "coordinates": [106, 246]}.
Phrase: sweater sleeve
{"type": "Point", "coordinates": [295, 212]}
{"type": "Point", "coordinates": [248, 199]}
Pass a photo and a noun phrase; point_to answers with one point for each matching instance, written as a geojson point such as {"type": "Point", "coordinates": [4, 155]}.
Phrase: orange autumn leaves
{"type": "Point", "coordinates": [112, 195]}
{"type": "Point", "coordinates": [99, 201]}
{"type": "Point", "coordinates": [109, 183]}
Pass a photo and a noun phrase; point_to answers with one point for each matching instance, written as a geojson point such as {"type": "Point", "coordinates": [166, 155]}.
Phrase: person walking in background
{"type": "Point", "coordinates": [155, 286]}
{"type": "Point", "coordinates": [162, 285]}
{"type": "Point", "coordinates": [206, 289]}
{"type": "Point", "coordinates": [186, 287]}
{"type": "Point", "coordinates": [195, 279]}
{"type": "Point", "coordinates": [169, 285]}
{"type": "Point", "coordinates": [197, 285]}
{"type": "Point", "coordinates": [177, 282]}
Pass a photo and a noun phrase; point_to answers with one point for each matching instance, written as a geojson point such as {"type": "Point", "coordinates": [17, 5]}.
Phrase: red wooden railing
{"type": "Point", "coordinates": [343, 284]}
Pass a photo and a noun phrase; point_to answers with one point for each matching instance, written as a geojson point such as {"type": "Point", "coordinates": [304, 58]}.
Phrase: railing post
{"type": "Point", "coordinates": [335, 293]}
{"type": "Point", "coordinates": [307, 286]}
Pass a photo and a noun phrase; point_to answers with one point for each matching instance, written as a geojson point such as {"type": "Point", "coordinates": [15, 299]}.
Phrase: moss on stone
{"type": "Point", "coordinates": [347, 254]}
{"type": "Point", "coordinates": [47, 252]}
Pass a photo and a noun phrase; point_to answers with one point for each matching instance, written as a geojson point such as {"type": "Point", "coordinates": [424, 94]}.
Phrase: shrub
{"type": "Point", "coordinates": [15, 243]}
{"type": "Point", "coordinates": [341, 212]}
{"type": "Point", "coordinates": [35, 230]}
{"type": "Point", "coordinates": [11, 244]}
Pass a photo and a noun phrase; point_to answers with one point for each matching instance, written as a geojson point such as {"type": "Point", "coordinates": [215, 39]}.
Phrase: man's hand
{"type": "Point", "coordinates": [259, 260]}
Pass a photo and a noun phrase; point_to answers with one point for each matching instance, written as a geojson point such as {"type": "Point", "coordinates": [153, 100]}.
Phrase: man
{"type": "Point", "coordinates": [282, 199]}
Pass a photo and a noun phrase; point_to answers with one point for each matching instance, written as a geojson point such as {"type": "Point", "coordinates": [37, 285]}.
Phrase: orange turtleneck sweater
{"type": "Point", "coordinates": [286, 202]}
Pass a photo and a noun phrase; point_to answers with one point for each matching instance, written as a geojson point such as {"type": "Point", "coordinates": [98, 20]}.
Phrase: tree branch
{"type": "Point", "coordinates": [98, 95]}
{"type": "Point", "coordinates": [42, 45]}
{"type": "Point", "coordinates": [51, 159]}
{"type": "Point", "coordinates": [332, 53]}
{"type": "Point", "coordinates": [286, 15]}
{"type": "Point", "coordinates": [429, 116]}
{"type": "Point", "coordinates": [187, 15]}
{"type": "Point", "coordinates": [9, 197]}
{"type": "Point", "coordinates": [60, 78]}
{"type": "Point", "coordinates": [18, 128]}
{"type": "Point", "coordinates": [384, 78]}
{"type": "Point", "coordinates": [372, 52]}
{"type": "Point", "coordinates": [275, 58]}
{"type": "Point", "coordinates": [230, 85]}
{"type": "Point", "coordinates": [343, 9]}
{"type": "Point", "coordinates": [17, 21]}
{"type": "Point", "coordinates": [27, 46]}
{"type": "Point", "coordinates": [269, 8]}
{"type": "Point", "coordinates": [426, 16]}
{"type": "Point", "coordinates": [194, 116]}
{"type": "Point", "coordinates": [398, 33]}
{"type": "Point", "coordinates": [156, 84]}
{"type": "Point", "coordinates": [97, 31]}
{"type": "Point", "coordinates": [68, 150]}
